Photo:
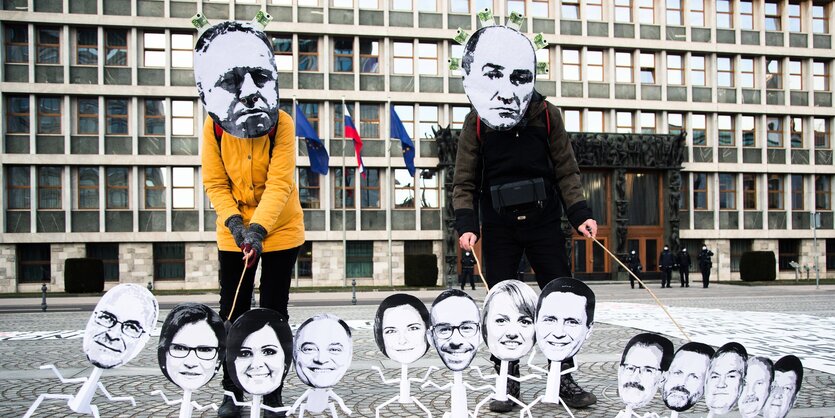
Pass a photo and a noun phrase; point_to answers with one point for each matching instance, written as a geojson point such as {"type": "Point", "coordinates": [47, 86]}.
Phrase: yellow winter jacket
{"type": "Point", "coordinates": [247, 183]}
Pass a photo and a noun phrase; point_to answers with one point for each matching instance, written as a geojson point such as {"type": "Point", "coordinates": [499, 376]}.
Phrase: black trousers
{"type": "Point", "coordinates": [684, 275]}
{"type": "Point", "coordinates": [543, 244]}
{"type": "Point", "coordinates": [667, 276]}
{"type": "Point", "coordinates": [705, 276]}
{"type": "Point", "coordinates": [276, 269]}
{"type": "Point", "coordinates": [467, 274]}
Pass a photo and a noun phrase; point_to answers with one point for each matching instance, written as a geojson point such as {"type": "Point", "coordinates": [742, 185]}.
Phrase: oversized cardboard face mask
{"type": "Point", "coordinates": [455, 330]}
{"type": "Point", "coordinates": [258, 345]}
{"type": "Point", "coordinates": [508, 320]}
{"type": "Point", "coordinates": [192, 345]}
{"type": "Point", "coordinates": [499, 72]}
{"type": "Point", "coordinates": [236, 76]}
{"type": "Point", "coordinates": [400, 328]}
{"type": "Point", "coordinates": [323, 351]}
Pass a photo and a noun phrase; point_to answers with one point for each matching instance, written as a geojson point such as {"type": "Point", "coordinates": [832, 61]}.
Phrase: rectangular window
{"type": "Point", "coordinates": [86, 46]}
{"type": "Point", "coordinates": [17, 44]}
{"type": "Point", "coordinates": [830, 254]}
{"type": "Point", "coordinates": [88, 116]}
{"type": "Point", "coordinates": [746, 73]}
{"type": "Point", "coordinates": [623, 11]}
{"type": "Point", "coordinates": [108, 253]}
{"type": "Point", "coordinates": [738, 248]}
{"type": "Point", "coordinates": [623, 67]}
{"type": "Point", "coordinates": [87, 187]}
{"type": "Point", "coordinates": [401, 5]}
{"type": "Point", "coordinates": [427, 119]}
{"type": "Point", "coordinates": [49, 187]}
{"type": "Point", "coordinates": [339, 118]}
{"type": "Point", "coordinates": [339, 3]}
{"type": "Point", "coordinates": [344, 188]}
{"type": "Point", "coordinates": [116, 116]}
{"type": "Point", "coordinates": [49, 115]}
{"type": "Point", "coordinates": [700, 191]}
{"type": "Point", "coordinates": [648, 123]}
{"type": "Point", "coordinates": [795, 75]}
{"type": "Point", "coordinates": [543, 57]}
{"type": "Point", "coordinates": [823, 192]}
{"type": "Point", "coordinates": [647, 68]}
{"type": "Point", "coordinates": [459, 6]}
{"type": "Point", "coordinates": [789, 250]}
{"type": "Point", "coordinates": [48, 45]}
{"type": "Point", "coordinates": [594, 10]}
{"type": "Point", "coordinates": [727, 191]}
{"type": "Point", "coordinates": [775, 191]}
{"type": "Point", "coordinates": [283, 50]}
{"type": "Point", "coordinates": [697, 70]}
{"type": "Point", "coordinates": [571, 65]}
{"type": "Point", "coordinates": [775, 131]}
{"type": "Point", "coordinates": [182, 50]}
{"type": "Point", "coordinates": [820, 75]}
{"type": "Point", "coordinates": [459, 113]}
{"type": "Point", "coordinates": [154, 183]}
{"type": "Point", "coordinates": [117, 188]}
{"type": "Point", "coordinates": [674, 14]}
{"type": "Point", "coordinates": [308, 54]}
{"type": "Point", "coordinates": [116, 47]}
{"type": "Point", "coordinates": [169, 261]}
{"type": "Point", "coordinates": [595, 121]}
{"type": "Point", "coordinates": [797, 133]}
{"type": "Point", "coordinates": [182, 187]}
{"type": "Point", "coordinates": [153, 49]}
{"type": "Point", "coordinates": [343, 55]}
{"type": "Point", "coordinates": [774, 74]}
{"type": "Point", "coordinates": [725, 71]}
{"type": "Point", "coordinates": [359, 259]}
{"type": "Point", "coordinates": [724, 14]}
{"type": "Point", "coordinates": [795, 18]}
{"type": "Point", "coordinates": [309, 188]}
{"type": "Point", "coordinates": [33, 263]}
{"type": "Point", "coordinates": [517, 6]}
{"type": "Point", "coordinates": [404, 189]}
{"type": "Point", "coordinates": [675, 70]}
{"type": "Point", "coordinates": [370, 191]}
{"type": "Point", "coordinates": [749, 191]}
{"type": "Point", "coordinates": [369, 121]}
{"type": "Point", "coordinates": [820, 19]}
{"type": "Point", "coordinates": [821, 133]}
{"type": "Point", "coordinates": [772, 16]}
{"type": "Point", "coordinates": [797, 192]}
{"type": "Point", "coordinates": [727, 138]}
{"type": "Point", "coordinates": [675, 123]}
{"type": "Point", "coordinates": [539, 8]}
{"type": "Point", "coordinates": [369, 56]}
{"type": "Point", "coordinates": [154, 117]}
{"type": "Point", "coordinates": [406, 113]}
{"type": "Point", "coordinates": [573, 120]}
{"type": "Point", "coordinates": [624, 122]}
{"type": "Point", "coordinates": [749, 131]}
{"type": "Point", "coordinates": [456, 50]}
{"type": "Point", "coordinates": [428, 58]}
{"type": "Point", "coordinates": [699, 123]}
{"type": "Point", "coordinates": [429, 190]}
{"type": "Point", "coordinates": [570, 9]}
{"type": "Point", "coordinates": [697, 13]}
{"type": "Point", "coordinates": [403, 58]}
{"type": "Point", "coordinates": [746, 14]}
{"type": "Point", "coordinates": [594, 65]}
{"type": "Point", "coordinates": [18, 188]}
{"type": "Point", "coordinates": [182, 117]}
{"type": "Point", "coordinates": [646, 12]}
{"type": "Point", "coordinates": [304, 261]}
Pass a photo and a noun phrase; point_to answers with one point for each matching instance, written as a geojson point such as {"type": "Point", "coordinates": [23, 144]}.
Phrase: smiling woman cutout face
{"type": "Point", "coordinates": [259, 348]}
{"type": "Point", "coordinates": [508, 317]}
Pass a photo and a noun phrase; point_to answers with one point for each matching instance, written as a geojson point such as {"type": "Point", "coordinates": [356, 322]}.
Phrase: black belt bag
{"type": "Point", "coordinates": [519, 195]}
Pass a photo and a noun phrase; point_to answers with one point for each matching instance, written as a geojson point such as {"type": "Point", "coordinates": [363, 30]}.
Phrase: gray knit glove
{"type": "Point", "coordinates": [235, 223]}
{"type": "Point", "coordinates": [254, 240]}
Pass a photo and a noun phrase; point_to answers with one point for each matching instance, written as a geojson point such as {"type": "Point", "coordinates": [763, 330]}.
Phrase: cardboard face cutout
{"type": "Point", "coordinates": [499, 66]}
{"type": "Point", "coordinates": [400, 328]}
{"type": "Point", "coordinates": [236, 76]}
{"type": "Point", "coordinates": [192, 345]}
{"type": "Point", "coordinates": [685, 381]}
{"type": "Point", "coordinates": [508, 320]}
{"type": "Point", "coordinates": [564, 318]}
{"type": "Point", "coordinates": [788, 375]}
{"type": "Point", "coordinates": [120, 325]}
{"type": "Point", "coordinates": [258, 351]}
{"type": "Point", "coordinates": [644, 361]}
{"type": "Point", "coordinates": [455, 328]}
{"type": "Point", "coordinates": [322, 349]}
{"type": "Point", "coordinates": [725, 378]}
{"type": "Point", "coordinates": [758, 380]}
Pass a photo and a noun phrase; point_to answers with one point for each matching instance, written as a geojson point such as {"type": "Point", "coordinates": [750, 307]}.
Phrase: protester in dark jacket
{"type": "Point", "coordinates": [684, 267]}
{"type": "Point", "coordinates": [666, 261]}
{"type": "Point", "coordinates": [634, 264]}
{"type": "Point", "coordinates": [467, 263]}
{"type": "Point", "coordinates": [705, 264]}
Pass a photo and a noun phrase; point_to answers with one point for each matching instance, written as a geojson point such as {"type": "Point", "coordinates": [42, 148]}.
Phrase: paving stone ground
{"type": "Point", "coordinates": [21, 381]}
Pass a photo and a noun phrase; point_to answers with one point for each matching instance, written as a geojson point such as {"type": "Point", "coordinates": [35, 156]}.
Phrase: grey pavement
{"type": "Point", "coordinates": [21, 381]}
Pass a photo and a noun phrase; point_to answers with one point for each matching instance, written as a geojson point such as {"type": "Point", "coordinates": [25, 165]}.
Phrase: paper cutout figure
{"type": "Point", "coordinates": [400, 327]}
{"type": "Point", "coordinates": [508, 330]}
{"type": "Point", "coordinates": [725, 377]}
{"type": "Point", "coordinates": [322, 350]}
{"type": "Point", "coordinates": [758, 379]}
{"type": "Point", "coordinates": [455, 335]}
{"type": "Point", "coordinates": [564, 320]}
{"type": "Point", "coordinates": [237, 79]}
{"type": "Point", "coordinates": [499, 76]}
{"type": "Point", "coordinates": [192, 345]}
{"type": "Point", "coordinates": [685, 381]}
{"type": "Point", "coordinates": [259, 347]}
{"type": "Point", "coordinates": [116, 332]}
{"type": "Point", "coordinates": [788, 375]}
{"type": "Point", "coordinates": [643, 364]}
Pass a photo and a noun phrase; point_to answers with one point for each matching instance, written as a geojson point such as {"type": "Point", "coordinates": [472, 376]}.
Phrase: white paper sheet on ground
{"type": "Point", "coordinates": [259, 344]}
{"type": "Point", "coordinates": [237, 79]}
{"type": "Point", "coordinates": [766, 334]}
{"type": "Point", "coordinates": [564, 318]}
{"type": "Point", "coordinates": [725, 378]}
{"type": "Point", "coordinates": [645, 359]}
{"type": "Point", "coordinates": [192, 345]}
{"type": "Point", "coordinates": [455, 328]}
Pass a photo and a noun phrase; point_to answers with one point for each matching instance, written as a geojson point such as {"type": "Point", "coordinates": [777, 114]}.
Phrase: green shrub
{"type": "Point", "coordinates": [421, 270]}
{"type": "Point", "coordinates": [83, 275]}
{"type": "Point", "coordinates": [758, 266]}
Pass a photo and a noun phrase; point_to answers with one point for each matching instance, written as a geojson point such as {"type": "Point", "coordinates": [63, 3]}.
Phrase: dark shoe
{"type": "Point", "coordinates": [573, 395]}
{"type": "Point", "coordinates": [273, 400]}
{"type": "Point", "coordinates": [501, 406]}
{"type": "Point", "coordinates": [228, 409]}
{"type": "Point", "coordinates": [513, 388]}
{"type": "Point", "coordinates": [687, 285]}
{"type": "Point", "coordinates": [473, 287]}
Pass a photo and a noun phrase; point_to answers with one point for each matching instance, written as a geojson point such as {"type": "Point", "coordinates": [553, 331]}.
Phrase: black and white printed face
{"type": "Point", "coordinates": [561, 325]}
{"type": "Point", "coordinates": [455, 331]}
{"type": "Point", "coordinates": [323, 353]}
{"type": "Point", "coordinates": [260, 362]}
{"type": "Point", "coordinates": [783, 395]}
{"type": "Point", "coordinates": [501, 78]}
{"type": "Point", "coordinates": [404, 334]}
{"type": "Point", "coordinates": [755, 390]}
{"type": "Point", "coordinates": [685, 381]}
{"type": "Point", "coordinates": [192, 360]}
{"type": "Point", "coordinates": [510, 332]}
{"type": "Point", "coordinates": [724, 382]}
{"type": "Point", "coordinates": [239, 83]}
{"type": "Point", "coordinates": [639, 375]}
{"type": "Point", "coordinates": [119, 326]}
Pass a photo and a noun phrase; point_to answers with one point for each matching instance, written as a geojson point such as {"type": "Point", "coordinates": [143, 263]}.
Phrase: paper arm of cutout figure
{"type": "Point", "coordinates": [429, 371]}
{"type": "Point", "coordinates": [340, 402]}
{"type": "Point", "coordinates": [62, 378]}
{"type": "Point", "coordinates": [482, 376]}
{"type": "Point", "coordinates": [540, 369]}
{"type": "Point", "coordinates": [271, 409]}
{"type": "Point", "coordinates": [431, 383]}
{"type": "Point", "coordinates": [116, 398]}
{"type": "Point", "coordinates": [479, 388]}
{"type": "Point", "coordinates": [165, 398]}
{"type": "Point", "coordinates": [235, 399]}
{"type": "Point", "coordinates": [299, 403]}
{"type": "Point", "coordinates": [199, 408]}
{"type": "Point", "coordinates": [383, 377]}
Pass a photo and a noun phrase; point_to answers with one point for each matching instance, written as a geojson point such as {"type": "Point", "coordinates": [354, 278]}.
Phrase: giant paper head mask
{"type": "Point", "coordinates": [323, 349]}
{"type": "Point", "coordinates": [192, 345]}
{"type": "Point", "coordinates": [508, 320]}
{"type": "Point", "coordinates": [120, 325]}
{"type": "Point", "coordinates": [259, 347]}
{"type": "Point", "coordinates": [788, 375]}
{"type": "Point", "coordinates": [564, 318]}
{"type": "Point", "coordinates": [725, 378]}
{"type": "Point", "coordinates": [236, 76]}
{"type": "Point", "coordinates": [642, 366]}
{"type": "Point", "coordinates": [499, 66]}
{"type": "Point", "coordinates": [400, 328]}
{"type": "Point", "coordinates": [685, 381]}
{"type": "Point", "coordinates": [455, 326]}
{"type": "Point", "coordinates": [758, 380]}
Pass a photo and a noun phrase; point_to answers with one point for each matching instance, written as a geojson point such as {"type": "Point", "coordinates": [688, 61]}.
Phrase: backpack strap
{"type": "Point", "coordinates": [219, 135]}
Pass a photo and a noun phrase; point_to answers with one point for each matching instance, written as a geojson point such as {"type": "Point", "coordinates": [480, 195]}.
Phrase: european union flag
{"type": "Point", "coordinates": [399, 131]}
{"type": "Point", "coordinates": [315, 148]}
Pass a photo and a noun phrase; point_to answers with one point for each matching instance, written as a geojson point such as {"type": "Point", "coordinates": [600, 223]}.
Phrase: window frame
{"type": "Point", "coordinates": [649, 69]}
{"type": "Point", "coordinates": [702, 192]}
{"type": "Point", "coordinates": [80, 203]}
{"type": "Point", "coordinates": [49, 188]}
{"type": "Point", "coordinates": [795, 21]}
{"type": "Point", "coordinates": [187, 188]}
{"type": "Point", "coordinates": [399, 189]}
{"type": "Point", "coordinates": [700, 69]}
{"type": "Point", "coordinates": [342, 56]}
{"type": "Point", "coordinates": [155, 188]}
{"type": "Point", "coordinates": [592, 65]}
{"type": "Point", "coordinates": [778, 140]}
{"type": "Point", "coordinates": [10, 43]}
{"type": "Point", "coordinates": [798, 192]}
{"type": "Point", "coordinates": [621, 67]}
{"type": "Point", "coordinates": [160, 262]}
{"type": "Point", "coordinates": [743, 123]}
{"type": "Point", "coordinates": [367, 188]}
{"type": "Point", "coordinates": [305, 54]}
{"type": "Point", "coordinates": [344, 182]}
{"type": "Point", "coordinates": [676, 9]}
{"type": "Point", "coordinates": [723, 70]}
{"type": "Point", "coordinates": [700, 128]}
{"type": "Point", "coordinates": [42, 114]}
{"type": "Point", "coordinates": [673, 70]}
{"type": "Point", "coordinates": [84, 47]}
{"type": "Point", "coordinates": [696, 14]}
{"type": "Point", "coordinates": [727, 189]}
{"type": "Point", "coordinates": [309, 190]}
{"type": "Point", "coordinates": [111, 117]}
{"type": "Point", "coordinates": [822, 138]}
{"type": "Point", "coordinates": [117, 188]}
{"type": "Point", "coordinates": [623, 11]}
{"type": "Point", "coordinates": [729, 130]}
{"type": "Point", "coordinates": [749, 191]}
{"type": "Point", "coordinates": [41, 46]}
{"type": "Point", "coordinates": [367, 57]}
{"type": "Point", "coordinates": [820, 20]}
{"type": "Point", "coordinates": [773, 18]}
{"type": "Point", "coordinates": [152, 53]}
{"type": "Point", "coordinates": [776, 192]}
{"type": "Point", "coordinates": [153, 118]}
{"type": "Point", "coordinates": [109, 47]}
{"type": "Point", "coordinates": [569, 63]}
{"type": "Point", "coordinates": [823, 194]}
{"type": "Point", "coordinates": [795, 75]}
{"type": "Point", "coordinates": [747, 73]}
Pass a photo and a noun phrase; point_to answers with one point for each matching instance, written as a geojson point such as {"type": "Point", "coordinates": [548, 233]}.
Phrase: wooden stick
{"type": "Point", "coordinates": [238, 289]}
{"type": "Point", "coordinates": [478, 266]}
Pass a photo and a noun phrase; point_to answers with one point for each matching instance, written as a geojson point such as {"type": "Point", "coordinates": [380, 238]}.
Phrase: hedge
{"type": "Point", "coordinates": [83, 275]}
{"type": "Point", "coordinates": [421, 270]}
{"type": "Point", "coordinates": [758, 266]}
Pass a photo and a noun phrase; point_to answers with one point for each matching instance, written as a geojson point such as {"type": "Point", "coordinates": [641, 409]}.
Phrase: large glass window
{"type": "Point", "coordinates": [697, 13]}
{"type": "Point", "coordinates": [823, 192]}
{"type": "Point", "coordinates": [116, 47]}
{"type": "Point", "coordinates": [87, 180]}
{"type": "Point", "coordinates": [343, 55]}
{"type": "Point", "coordinates": [539, 8]}
{"type": "Point", "coordinates": [648, 123]}
{"type": "Point", "coordinates": [86, 46]}
{"type": "Point", "coordinates": [747, 73]}
{"type": "Point", "coordinates": [642, 192]}
{"type": "Point", "coordinates": [775, 192]}
{"type": "Point", "coordinates": [596, 121]}
{"type": "Point", "coordinates": [428, 119]}
{"type": "Point", "coordinates": [406, 113]}
{"type": "Point", "coordinates": [675, 70]}
{"type": "Point", "coordinates": [646, 11]}
{"type": "Point", "coordinates": [570, 9]}
{"type": "Point", "coordinates": [116, 116]}
{"type": "Point", "coordinates": [594, 10]}
{"type": "Point", "coordinates": [624, 122]}
{"type": "Point", "coordinates": [797, 192]}
{"type": "Point", "coordinates": [594, 65]}
{"type": "Point", "coordinates": [775, 131]}
{"type": "Point", "coordinates": [749, 131]}
{"type": "Point", "coordinates": [169, 261]}
{"type": "Point", "coordinates": [647, 68]}
{"type": "Point", "coordinates": [821, 133]}
{"type": "Point", "coordinates": [404, 189]}
{"type": "Point", "coordinates": [727, 191]}
{"type": "Point", "coordinates": [797, 133]}
{"type": "Point", "coordinates": [459, 113]}
{"type": "Point", "coordinates": [697, 70]}
{"type": "Point", "coordinates": [675, 123]}
{"type": "Point", "coordinates": [738, 248]}
{"type": "Point", "coordinates": [17, 44]}
{"type": "Point", "coordinates": [674, 13]}
{"type": "Point", "coordinates": [820, 18]}
{"type": "Point", "coordinates": [49, 187]}
{"type": "Point", "coordinates": [820, 75]}
{"type": "Point", "coordinates": [154, 183]}
{"type": "Point", "coordinates": [370, 191]}
{"type": "Point", "coordinates": [725, 71]}
{"type": "Point", "coordinates": [746, 14]}
{"type": "Point", "coordinates": [117, 188]}
{"type": "Point", "coordinates": [154, 117]}
{"type": "Point", "coordinates": [369, 56]}
{"type": "Point", "coordinates": [33, 263]}
{"type": "Point", "coordinates": [772, 15]}
{"type": "Point", "coordinates": [49, 115]}
{"type": "Point", "coordinates": [429, 190]}
{"type": "Point", "coordinates": [795, 75]}
{"type": "Point", "coordinates": [543, 58]}
{"type": "Point", "coordinates": [403, 58]}
{"type": "Point", "coordinates": [283, 50]}
{"type": "Point", "coordinates": [48, 46]}
{"type": "Point", "coordinates": [789, 250]}
{"type": "Point", "coordinates": [700, 191]}
{"type": "Point", "coordinates": [182, 188]}
{"type": "Point", "coordinates": [359, 259]}
{"type": "Point", "coordinates": [459, 6]}
{"type": "Point", "coordinates": [573, 120]}
{"type": "Point", "coordinates": [88, 116]}
{"type": "Point", "coordinates": [699, 123]}
{"type": "Point", "coordinates": [428, 58]}
{"type": "Point", "coordinates": [17, 114]}
{"type": "Point", "coordinates": [18, 187]}
{"type": "Point", "coordinates": [153, 49]}
{"type": "Point", "coordinates": [369, 121]}
{"type": "Point", "coordinates": [727, 136]}
{"type": "Point", "coordinates": [309, 188]}
{"type": "Point", "coordinates": [774, 74]}
{"type": "Point", "coordinates": [749, 191]}
{"type": "Point", "coordinates": [182, 117]}
{"type": "Point", "coordinates": [108, 253]}
{"type": "Point", "coordinates": [308, 54]}
{"type": "Point", "coordinates": [623, 67]}
{"type": "Point", "coordinates": [182, 50]}
{"type": "Point", "coordinates": [795, 18]}
{"type": "Point", "coordinates": [304, 261]}
{"type": "Point", "coordinates": [344, 188]}
{"type": "Point", "coordinates": [623, 11]}
{"type": "Point", "coordinates": [724, 14]}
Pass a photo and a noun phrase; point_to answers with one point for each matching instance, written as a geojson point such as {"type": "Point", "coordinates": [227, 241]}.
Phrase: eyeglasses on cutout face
{"type": "Point", "coordinates": [466, 329]}
{"type": "Point", "coordinates": [203, 352]}
{"type": "Point", "coordinates": [130, 328]}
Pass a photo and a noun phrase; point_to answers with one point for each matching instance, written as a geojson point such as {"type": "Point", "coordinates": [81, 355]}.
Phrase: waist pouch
{"type": "Point", "coordinates": [519, 196]}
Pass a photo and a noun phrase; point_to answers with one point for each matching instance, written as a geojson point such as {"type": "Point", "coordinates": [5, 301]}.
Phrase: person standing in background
{"type": "Point", "coordinates": [666, 261]}
{"type": "Point", "coordinates": [634, 264]}
{"type": "Point", "coordinates": [467, 264]}
{"type": "Point", "coordinates": [684, 267]}
{"type": "Point", "coordinates": [705, 264]}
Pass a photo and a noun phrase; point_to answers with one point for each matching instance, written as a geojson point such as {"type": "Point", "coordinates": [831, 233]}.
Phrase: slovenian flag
{"type": "Point", "coordinates": [398, 131]}
{"type": "Point", "coordinates": [351, 132]}
{"type": "Point", "coordinates": [315, 148]}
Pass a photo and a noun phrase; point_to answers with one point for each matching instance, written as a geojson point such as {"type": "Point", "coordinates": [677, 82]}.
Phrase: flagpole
{"type": "Point", "coordinates": [344, 191]}
{"type": "Point", "coordinates": [388, 205]}
{"type": "Point", "coordinates": [296, 270]}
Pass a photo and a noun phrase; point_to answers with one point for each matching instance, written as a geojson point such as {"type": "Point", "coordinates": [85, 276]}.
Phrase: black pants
{"type": "Point", "coordinates": [667, 277]}
{"type": "Point", "coordinates": [632, 279]}
{"type": "Point", "coordinates": [467, 274]}
{"type": "Point", "coordinates": [276, 268]}
{"type": "Point", "coordinates": [705, 276]}
{"type": "Point", "coordinates": [543, 244]}
{"type": "Point", "coordinates": [684, 275]}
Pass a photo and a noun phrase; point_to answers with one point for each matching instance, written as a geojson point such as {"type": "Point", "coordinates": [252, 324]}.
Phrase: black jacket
{"type": "Point", "coordinates": [666, 260]}
{"type": "Point", "coordinates": [704, 259]}
{"type": "Point", "coordinates": [684, 260]}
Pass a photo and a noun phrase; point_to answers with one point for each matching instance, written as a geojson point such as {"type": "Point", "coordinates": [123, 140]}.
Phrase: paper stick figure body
{"type": "Point", "coordinates": [405, 382]}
